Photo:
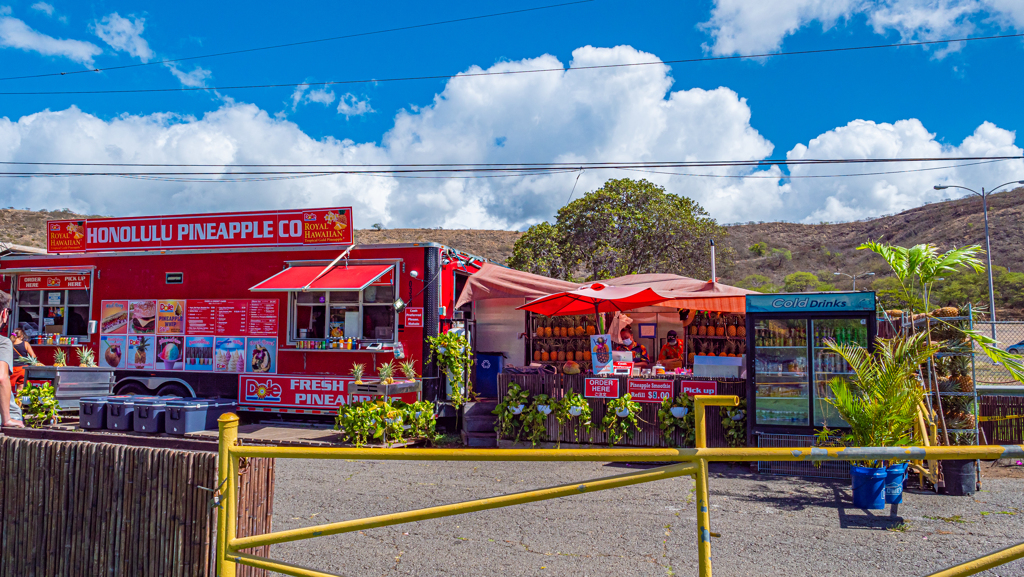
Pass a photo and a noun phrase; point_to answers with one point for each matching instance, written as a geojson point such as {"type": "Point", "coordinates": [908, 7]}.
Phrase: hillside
{"type": "Point", "coordinates": [821, 248]}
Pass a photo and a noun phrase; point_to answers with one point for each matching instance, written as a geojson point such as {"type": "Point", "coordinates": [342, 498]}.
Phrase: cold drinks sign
{"type": "Point", "coordinates": [217, 230]}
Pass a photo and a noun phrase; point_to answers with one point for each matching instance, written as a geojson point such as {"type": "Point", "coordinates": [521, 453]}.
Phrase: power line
{"type": "Point", "coordinates": [301, 43]}
{"type": "Point", "coordinates": [502, 73]}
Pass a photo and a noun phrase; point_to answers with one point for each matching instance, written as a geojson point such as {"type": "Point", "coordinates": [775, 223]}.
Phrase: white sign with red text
{"type": "Point", "coordinates": [691, 388]}
{"type": "Point", "coordinates": [650, 390]}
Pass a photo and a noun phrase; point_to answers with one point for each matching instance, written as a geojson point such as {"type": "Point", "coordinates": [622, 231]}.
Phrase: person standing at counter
{"type": "Point", "coordinates": [10, 412]}
{"type": "Point", "coordinates": [21, 349]}
{"type": "Point", "coordinates": [628, 344]}
{"type": "Point", "coordinates": [672, 349]}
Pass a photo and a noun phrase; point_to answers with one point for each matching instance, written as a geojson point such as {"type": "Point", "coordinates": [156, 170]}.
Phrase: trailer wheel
{"type": "Point", "coordinates": [173, 390]}
{"type": "Point", "coordinates": [132, 388]}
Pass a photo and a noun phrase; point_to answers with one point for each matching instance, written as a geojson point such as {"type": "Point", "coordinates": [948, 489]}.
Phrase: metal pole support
{"type": "Point", "coordinates": [701, 401]}
{"type": "Point", "coordinates": [227, 477]}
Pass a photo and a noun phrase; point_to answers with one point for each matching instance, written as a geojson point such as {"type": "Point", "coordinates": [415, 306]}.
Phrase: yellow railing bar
{"type": "Point", "coordinates": [226, 483]}
{"type": "Point", "coordinates": [278, 566]}
{"type": "Point", "coordinates": [985, 562]}
{"type": "Point", "coordinates": [983, 452]}
{"type": "Point", "coordinates": [623, 480]}
{"type": "Point", "coordinates": [701, 401]}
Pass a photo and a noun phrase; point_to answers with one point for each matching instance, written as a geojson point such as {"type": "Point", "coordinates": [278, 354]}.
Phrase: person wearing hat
{"type": "Point", "coordinates": [672, 349]}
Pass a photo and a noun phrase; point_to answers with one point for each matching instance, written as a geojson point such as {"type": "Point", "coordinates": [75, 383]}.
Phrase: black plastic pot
{"type": "Point", "coordinates": [961, 477]}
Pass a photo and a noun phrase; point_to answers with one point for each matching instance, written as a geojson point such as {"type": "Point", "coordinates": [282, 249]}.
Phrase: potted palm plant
{"type": "Point", "coordinates": [880, 404]}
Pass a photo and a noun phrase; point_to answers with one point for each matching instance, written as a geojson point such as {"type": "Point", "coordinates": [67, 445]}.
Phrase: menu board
{"type": "Point", "coordinates": [232, 317]}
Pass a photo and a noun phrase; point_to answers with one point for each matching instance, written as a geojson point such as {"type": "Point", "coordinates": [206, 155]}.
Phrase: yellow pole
{"type": "Point", "coordinates": [278, 566]}
{"type": "Point", "coordinates": [703, 521]}
{"type": "Point", "coordinates": [984, 563]}
{"type": "Point", "coordinates": [228, 423]}
{"type": "Point", "coordinates": [623, 480]}
{"type": "Point", "coordinates": [701, 401]}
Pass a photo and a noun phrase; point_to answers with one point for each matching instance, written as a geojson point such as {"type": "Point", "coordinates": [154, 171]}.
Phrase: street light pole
{"type": "Point", "coordinates": [854, 277]}
{"type": "Point", "coordinates": [988, 243]}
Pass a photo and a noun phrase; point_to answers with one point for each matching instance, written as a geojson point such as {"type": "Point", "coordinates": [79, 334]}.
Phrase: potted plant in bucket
{"type": "Point", "coordinates": [880, 404]}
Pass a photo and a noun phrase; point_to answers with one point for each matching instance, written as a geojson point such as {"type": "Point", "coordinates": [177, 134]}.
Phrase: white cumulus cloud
{"type": "Point", "coordinates": [350, 105]}
{"type": "Point", "coordinates": [746, 27]}
{"type": "Point", "coordinates": [620, 114]}
{"type": "Point", "coordinates": [194, 79]}
{"type": "Point", "coordinates": [302, 94]}
{"type": "Point", "coordinates": [43, 7]}
{"type": "Point", "coordinates": [124, 34]}
{"type": "Point", "coordinates": [15, 33]}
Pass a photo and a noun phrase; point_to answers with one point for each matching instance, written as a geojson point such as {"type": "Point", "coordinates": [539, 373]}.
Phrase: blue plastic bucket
{"type": "Point", "coordinates": [868, 487]}
{"type": "Point", "coordinates": [894, 477]}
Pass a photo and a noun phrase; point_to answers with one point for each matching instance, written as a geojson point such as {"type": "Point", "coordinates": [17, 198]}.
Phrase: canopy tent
{"type": "Point", "coordinates": [498, 282]}
{"type": "Point", "coordinates": [595, 298]}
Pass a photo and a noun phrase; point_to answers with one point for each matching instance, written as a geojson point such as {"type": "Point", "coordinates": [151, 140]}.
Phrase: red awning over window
{"type": "Point", "coordinates": [341, 277]}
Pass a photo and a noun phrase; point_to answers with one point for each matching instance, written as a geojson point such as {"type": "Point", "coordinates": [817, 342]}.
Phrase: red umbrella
{"type": "Point", "coordinates": [595, 298]}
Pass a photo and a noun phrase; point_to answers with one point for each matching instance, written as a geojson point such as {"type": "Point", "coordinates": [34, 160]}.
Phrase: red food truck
{"type": "Point", "coordinates": [271, 308]}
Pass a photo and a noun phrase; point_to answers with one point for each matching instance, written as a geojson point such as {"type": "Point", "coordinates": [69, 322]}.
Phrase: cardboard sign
{"type": "Point", "coordinates": [601, 388]}
{"type": "Point", "coordinates": [649, 390]}
{"type": "Point", "coordinates": [414, 317]}
{"type": "Point", "coordinates": [691, 388]}
{"type": "Point", "coordinates": [53, 282]}
{"type": "Point", "coordinates": [217, 230]}
{"type": "Point", "coordinates": [293, 391]}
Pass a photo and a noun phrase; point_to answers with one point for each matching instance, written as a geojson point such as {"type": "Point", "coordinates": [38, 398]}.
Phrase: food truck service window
{"type": "Point", "coordinates": [368, 314]}
{"type": "Point", "coordinates": [53, 305]}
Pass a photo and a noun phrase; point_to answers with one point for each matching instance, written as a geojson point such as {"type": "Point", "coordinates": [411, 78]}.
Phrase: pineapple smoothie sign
{"type": "Point", "coordinates": [217, 230]}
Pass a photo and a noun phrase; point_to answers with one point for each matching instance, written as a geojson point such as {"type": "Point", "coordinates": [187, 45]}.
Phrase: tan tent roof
{"type": "Point", "coordinates": [497, 282]}
{"type": "Point", "coordinates": [494, 281]}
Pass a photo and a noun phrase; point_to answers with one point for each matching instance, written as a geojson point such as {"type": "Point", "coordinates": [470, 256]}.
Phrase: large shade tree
{"type": "Point", "coordinates": [624, 227]}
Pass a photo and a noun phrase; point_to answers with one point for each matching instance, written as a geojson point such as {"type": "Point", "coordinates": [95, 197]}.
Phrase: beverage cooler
{"type": "Point", "coordinates": [788, 366]}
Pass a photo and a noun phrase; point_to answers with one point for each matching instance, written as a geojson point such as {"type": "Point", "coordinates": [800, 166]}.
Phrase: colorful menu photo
{"type": "Point", "coordinates": [198, 353]}
{"type": "Point", "coordinates": [261, 355]}
{"type": "Point", "coordinates": [113, 317]}
{"type": "Point", "coordinates": [229, 355]}
{"type": "Point", "coordinates": [169, 353]}
{"type": "Point", "coordinates": [140, 352]}
{"type": "Point", "coordinates": [112, 349]}
{"type": "Point", "coordinates": [170, 317]}
{"type": "Point", "coordinates": [142, 317]}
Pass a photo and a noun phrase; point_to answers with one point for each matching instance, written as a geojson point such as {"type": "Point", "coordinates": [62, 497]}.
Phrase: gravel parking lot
{"type": "Point", "coordinates": [769, 525]}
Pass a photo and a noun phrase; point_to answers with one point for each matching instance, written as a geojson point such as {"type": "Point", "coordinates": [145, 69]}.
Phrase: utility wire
{"type": "Point", "coordinates": [301, 43]}
{"type": "Point", "coordinates": [500, 73]}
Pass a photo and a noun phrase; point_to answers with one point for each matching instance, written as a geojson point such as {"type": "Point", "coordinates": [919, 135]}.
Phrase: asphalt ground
{"type": "Point", "coordinates": [769, 526]}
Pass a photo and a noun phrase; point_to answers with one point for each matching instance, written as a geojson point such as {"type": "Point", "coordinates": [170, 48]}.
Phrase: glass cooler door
{"type": "Point", "coordinates": [828, 365]}
{"type": "Point", "coordinates": [780, 372]}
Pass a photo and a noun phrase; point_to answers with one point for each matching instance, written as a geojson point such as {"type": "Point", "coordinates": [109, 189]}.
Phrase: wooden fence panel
{"type": "Point", "coordinates": [73, 508]}
{"type": "Point", "coordinates": [1008, 432]}
{"type": "Point", "coordinates": [649, 435]}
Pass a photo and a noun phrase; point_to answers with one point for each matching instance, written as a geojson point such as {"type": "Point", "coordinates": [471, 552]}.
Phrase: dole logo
{"type": "Point", "coordinates": [53, 282]}
{"type": "Point", "coordinates": [166, 307]}
{"type": "Point", "coordinates": [309, 216]}
{"type": "Point", "coordinates": [258, 391]}
{"type": "Point", "coordinates": [55, 227]}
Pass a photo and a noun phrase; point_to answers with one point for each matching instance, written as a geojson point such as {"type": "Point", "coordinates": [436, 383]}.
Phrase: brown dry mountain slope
{"type": "Point", "coordinates": [956, 222]}
{"type": "Point", "coordinates": [947, 224]}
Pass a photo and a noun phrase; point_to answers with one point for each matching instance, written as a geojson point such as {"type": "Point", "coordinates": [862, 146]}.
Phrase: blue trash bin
{"type": "Point", "coordinates": [868, 487]}
{"type": "Point", "coordinates": [894, 477]}
{"type": "Point", "coordinates": [488, 367]}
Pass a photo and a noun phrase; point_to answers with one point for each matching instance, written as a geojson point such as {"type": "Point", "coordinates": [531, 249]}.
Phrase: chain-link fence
{"type": "Point", "coordinates": [1010, 335]}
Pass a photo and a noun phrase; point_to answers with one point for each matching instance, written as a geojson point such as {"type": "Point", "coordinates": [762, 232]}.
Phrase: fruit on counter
{"type": "Point", "coordinates": [386, 373]}
{"type": "Point", "coordinates": [357, 372]}
{"type": "Point", "coordinates": [571, 368]}
{"type": "Point", "coordinates": [86, 357]}
{"type": "Point", "coordinates": [946, 312]}
{"type": "Point", "coordinates": [60, 358]}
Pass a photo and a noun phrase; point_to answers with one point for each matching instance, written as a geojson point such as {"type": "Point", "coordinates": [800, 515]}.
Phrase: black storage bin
{"type": "Point", "coordinates": [121, 412]}
{"type": "Point", "coordinates": [190, 415]}
{"type": "Point", "coordinates": [150, 413]}
{"type": "Point", "coordinates": [92, 412]}
{"type": "Point", "coordinates": [961, 477]}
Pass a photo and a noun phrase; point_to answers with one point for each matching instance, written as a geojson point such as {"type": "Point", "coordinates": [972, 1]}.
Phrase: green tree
{"type": "Point", "coordinates": [624, 227]}
{"type": "Point", "coordinates": [759, 248]}
{"type": "Point", "coordinates": [800, 282]}
{"type": "Point", "coordinates": [778, 257]}
{"type": "Point", "coordinates": [759, 283]}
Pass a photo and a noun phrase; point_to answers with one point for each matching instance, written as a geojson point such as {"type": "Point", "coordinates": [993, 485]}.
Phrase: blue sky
{"type": "Point", "coordinates": [939, 101]}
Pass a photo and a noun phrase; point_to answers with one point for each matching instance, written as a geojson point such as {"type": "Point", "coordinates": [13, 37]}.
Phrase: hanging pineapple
{"type": "Point", "coordinates": [60, 358]}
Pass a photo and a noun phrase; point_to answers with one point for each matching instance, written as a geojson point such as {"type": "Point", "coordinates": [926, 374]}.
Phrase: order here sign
{"type": "Point", "coordinates": [601, 388]}
{"type": "Point", "coordinates": [215, 230]}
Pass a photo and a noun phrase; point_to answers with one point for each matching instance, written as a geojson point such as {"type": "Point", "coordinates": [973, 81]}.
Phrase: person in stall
{"type": "Point", "coordinates": [672, 350]}
{"type": "Point", "coordinates": [627, 343]}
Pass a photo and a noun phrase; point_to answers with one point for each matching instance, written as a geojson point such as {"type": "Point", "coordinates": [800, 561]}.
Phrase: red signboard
{"type": "Point", "coordinates": [293, 391]}
{"type": "Point", "coordinates": [53, 282]}
{"type": "Point", "coordinates": [692, 388]}
{"type": "Point", "coordinates": [216, 230]}
{"type": "Point", "coordinates": [232, 317]}
{"type": "Point", "coordinates": [601, 388]}
{"type": "Point", "coordinates": [649, 390]}
{"type": "Point", "coordinates": [414, 317]}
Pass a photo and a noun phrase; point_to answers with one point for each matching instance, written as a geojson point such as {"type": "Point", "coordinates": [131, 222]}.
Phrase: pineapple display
{"type": "Point", "coordinates": [386, 373]}
{"type": "Point", "coordinates": [731, 329]}
{"type": "Point", "coordinates": [559, 351]}
{"type": "Point", "coordinates": [86, 357]}
{"type": "Point", "coordinates": [581, 330]}
{"type": "Point", "coordinates": [60, 358]}
{"type": "Point", "coordinates": [545, 351]}
{"type": "Point", "coordinates": [538, 327]}
{"type": "Point", "coordinates": [719, 327]}
{"type": "Point", "coordinates": [959, 373]}
{"type": "Point", "coordinates": [946, 312]}
{"type": "Point", "coordinates": [408, 369]}
{"type": "Point", "coordinates": [357, 372]}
